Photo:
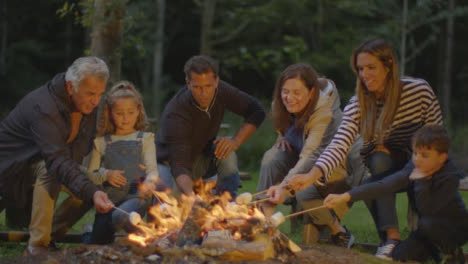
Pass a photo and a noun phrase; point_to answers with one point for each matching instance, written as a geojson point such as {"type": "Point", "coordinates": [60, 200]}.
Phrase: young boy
{"type": "Point", "coordinates": [431, 180]}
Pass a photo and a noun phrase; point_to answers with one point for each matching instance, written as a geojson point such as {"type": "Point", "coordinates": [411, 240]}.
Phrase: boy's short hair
{"type": "Point", "coordinates": [200, 64]}
{"type": "Point", "coordinates": [432, 137]}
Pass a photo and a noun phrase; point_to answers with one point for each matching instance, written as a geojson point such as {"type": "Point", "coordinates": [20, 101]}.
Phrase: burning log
{"type": "Point", "coordinates": [261, 248]}
{"type": "Point", "coordinates": [190, 234]}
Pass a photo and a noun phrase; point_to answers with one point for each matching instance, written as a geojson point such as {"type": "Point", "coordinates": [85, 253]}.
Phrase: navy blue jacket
{"type": "Point", "coordinates": [432, 197]}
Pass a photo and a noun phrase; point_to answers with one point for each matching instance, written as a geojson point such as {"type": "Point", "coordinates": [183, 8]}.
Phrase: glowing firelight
{"type": "Point", "coordinates": [221, 214]}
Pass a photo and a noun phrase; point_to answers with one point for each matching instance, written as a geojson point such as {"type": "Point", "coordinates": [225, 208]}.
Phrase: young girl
{"type": "Point", "coordinates": [123, 161]}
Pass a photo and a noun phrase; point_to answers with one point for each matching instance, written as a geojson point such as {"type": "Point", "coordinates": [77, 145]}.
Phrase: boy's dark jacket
{"type": "Point", "coordinates": [435, 196]}
{"type": "Point", "coordinates": [38, 128]}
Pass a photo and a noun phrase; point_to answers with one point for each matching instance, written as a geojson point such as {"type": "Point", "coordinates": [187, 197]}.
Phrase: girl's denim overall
{"type": "Point", "coordinates": [123, 155]}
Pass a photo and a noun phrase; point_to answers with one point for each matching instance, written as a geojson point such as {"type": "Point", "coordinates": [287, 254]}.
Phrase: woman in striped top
{"type": "Point", "coordinates": [386, 110]}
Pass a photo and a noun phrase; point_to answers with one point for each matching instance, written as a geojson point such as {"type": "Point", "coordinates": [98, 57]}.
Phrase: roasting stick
{"type": "Point", "coordinates": [121, 210]}
{"type": "Point", "coordinates": [259, 201]}
{"type": "Point", "coordinates": [278, 218]}
{"type": "Point", "coordinates": [157, 197]}
{"type": "Point", "coordinates": [258, 193]}
{"type": "Point", "coordinates": [305, 211]}
{"type": "Point", "coordinates": [159, 200]}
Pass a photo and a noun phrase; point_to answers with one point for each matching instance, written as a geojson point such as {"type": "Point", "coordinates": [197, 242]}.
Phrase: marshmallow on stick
{"type": "Point", "coordinates": [135, 218]}
{"type": "Point", "coordinates": [244, 198]}
{"type": "Point", "coordinates": [277, 219]}
{"type": "Point", "coordinates": [164, 208]}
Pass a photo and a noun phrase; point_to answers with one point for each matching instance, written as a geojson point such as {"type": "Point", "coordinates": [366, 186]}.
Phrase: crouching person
{"type": "Point", "coordinates": [123, 160]}
{"type": "Point", "coordinates": [432, 182]}
{"type": "Point", "coordinates": [44, 140]}
{"type": "Point", "coordinates": [187, 145]}
{"type": "Point", "coordinates": [306, 113]}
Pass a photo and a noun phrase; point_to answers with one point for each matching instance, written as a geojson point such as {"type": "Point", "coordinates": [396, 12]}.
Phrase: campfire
{"type": "Point", "coordinates": [212, 225]}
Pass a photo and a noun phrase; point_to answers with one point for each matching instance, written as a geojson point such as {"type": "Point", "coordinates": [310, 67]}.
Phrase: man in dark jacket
{"type": "Point", "coordinates": [186, 141]}
{"type": "Point", "coordinates": [45, 138]}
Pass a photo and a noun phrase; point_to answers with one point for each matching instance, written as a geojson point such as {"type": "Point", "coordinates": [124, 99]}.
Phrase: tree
{"type": "Point", "coordinates": [447, 83]}
{"type": "Point", "coordinates": [3, 40]}
{"type": "Point", "coordinates": [158, 58]}
{"type": "Point", "coordinates": [107, 34]}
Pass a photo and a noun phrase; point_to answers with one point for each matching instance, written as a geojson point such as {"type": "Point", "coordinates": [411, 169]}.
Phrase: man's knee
{"type": "Point", "coordinates": [228, 165]}
{"type": "Point", "coordinates": [166, 180]}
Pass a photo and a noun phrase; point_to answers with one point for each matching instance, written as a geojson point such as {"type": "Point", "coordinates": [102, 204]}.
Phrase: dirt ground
{"type": "Point", "coordinates": [115, 253]}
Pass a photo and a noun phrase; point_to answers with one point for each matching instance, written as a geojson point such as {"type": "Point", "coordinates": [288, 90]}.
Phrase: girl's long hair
{"type": "Point", "coordinates": [122, 89]}
{"type": "Point", "coordinates": [281, 117]}
{"type": "Point", "coordinates": [373, 124]}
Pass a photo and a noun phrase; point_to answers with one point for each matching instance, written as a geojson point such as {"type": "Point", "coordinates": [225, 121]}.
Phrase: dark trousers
{"type": "Point", "coordinates": [106, 224]}
{"type": "Point", "coordinates": [415, 248]}
{"type": "Point", "coordinates": [383, 210]}
{"type": "Point", "coordinates": [434, 235]}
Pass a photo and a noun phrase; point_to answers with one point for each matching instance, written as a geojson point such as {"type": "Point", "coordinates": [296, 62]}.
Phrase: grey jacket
{"type": "Point", "coordinates": [318, 133]}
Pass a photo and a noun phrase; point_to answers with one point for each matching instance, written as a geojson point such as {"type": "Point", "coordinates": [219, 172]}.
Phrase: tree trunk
{"type": "Point", "coordinates": [3, 43]}
{"type": "Point", "coordinates": [158, 59]}
{"type": "Point", "coordinates": [447, 83]}
{"type": "Point", "coordinates": [107, 34]}
{"type": "Point", "coordinates": [404, 24]}
{"type": "Point", "coordinates": [208, 12]}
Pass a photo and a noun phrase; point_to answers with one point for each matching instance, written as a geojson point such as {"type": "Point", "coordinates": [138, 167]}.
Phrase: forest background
{"type": "Point", "coordinates": [148, 41]}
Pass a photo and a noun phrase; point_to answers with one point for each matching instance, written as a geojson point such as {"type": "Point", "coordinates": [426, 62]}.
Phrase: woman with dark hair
{"type": "Point", "coordinates": [306, 114]}
{"type": "Point", "coordinates": [386, 111]}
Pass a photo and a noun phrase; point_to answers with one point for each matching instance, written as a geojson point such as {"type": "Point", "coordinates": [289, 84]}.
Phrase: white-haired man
{"type": "Point", "coordinates": [43, 141]}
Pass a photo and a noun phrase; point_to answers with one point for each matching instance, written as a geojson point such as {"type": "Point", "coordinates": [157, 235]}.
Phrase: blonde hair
{"type": "Point", "coordinates": [374, 124]}
{"type": "Point", "coordinates": [123, 89]}
{"type": "Point", "coordinates": [280, 115]}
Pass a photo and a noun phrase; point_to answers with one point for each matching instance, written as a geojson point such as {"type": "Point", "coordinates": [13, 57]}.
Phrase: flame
{"type": "Point", "coordinates": [218, 213]}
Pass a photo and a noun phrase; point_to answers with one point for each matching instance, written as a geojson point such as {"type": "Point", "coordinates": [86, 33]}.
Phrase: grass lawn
{"type": "Point", "coordinates": [358, 220]}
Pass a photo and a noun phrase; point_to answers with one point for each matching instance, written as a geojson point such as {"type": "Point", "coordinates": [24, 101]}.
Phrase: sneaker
{"type": "Point", "coordinates": [343, 239]}
{"type": "Point", "coordinates": [384, 251]}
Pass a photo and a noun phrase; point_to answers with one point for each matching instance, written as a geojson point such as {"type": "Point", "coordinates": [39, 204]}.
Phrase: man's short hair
{"type": "Point", "coordinates": [200, 64]}
{"type": "Point", "coordinates": [84, 67]}
{"type": "Point", "coordinates": [432, 137]}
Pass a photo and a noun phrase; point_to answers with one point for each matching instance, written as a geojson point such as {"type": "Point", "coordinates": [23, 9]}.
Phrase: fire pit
{"type": "Point", "coordinates": [206, 229]}
{"type": "Point", "coordinates": [210, 225]}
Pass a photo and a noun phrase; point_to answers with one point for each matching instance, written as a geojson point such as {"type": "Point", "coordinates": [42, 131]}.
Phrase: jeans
{"type": "Point", "coordinates": [383, 210]}
{"type": "Point", "coordinates": [205, 167]}
{"type": "Point", "coordinates": [106, 224]}
{"type": "Point", "coordinates": [276, 164]}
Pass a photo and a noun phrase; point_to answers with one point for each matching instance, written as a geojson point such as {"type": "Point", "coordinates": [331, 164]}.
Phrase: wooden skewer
{"type": "Point", "coordinates": [159, 200]}
{"type": "Point", "coordinates": [258, 193]}
{"type": "Point", "coordinates": [305, 211]}
{"type": "Point", "coordinates": [157, 197]}
{"type": "Point", "coordinates": [259, 201]}
{"type": "Point", "coordinates": [121, 210]}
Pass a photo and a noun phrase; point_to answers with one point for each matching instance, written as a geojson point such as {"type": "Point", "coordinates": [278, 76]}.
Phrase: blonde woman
{"type": "Point", "coordinates": [386, 110]}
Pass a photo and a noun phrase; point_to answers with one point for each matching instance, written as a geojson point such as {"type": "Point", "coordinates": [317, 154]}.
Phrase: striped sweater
{"type": "Point", "coordinates": [418, 107]}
